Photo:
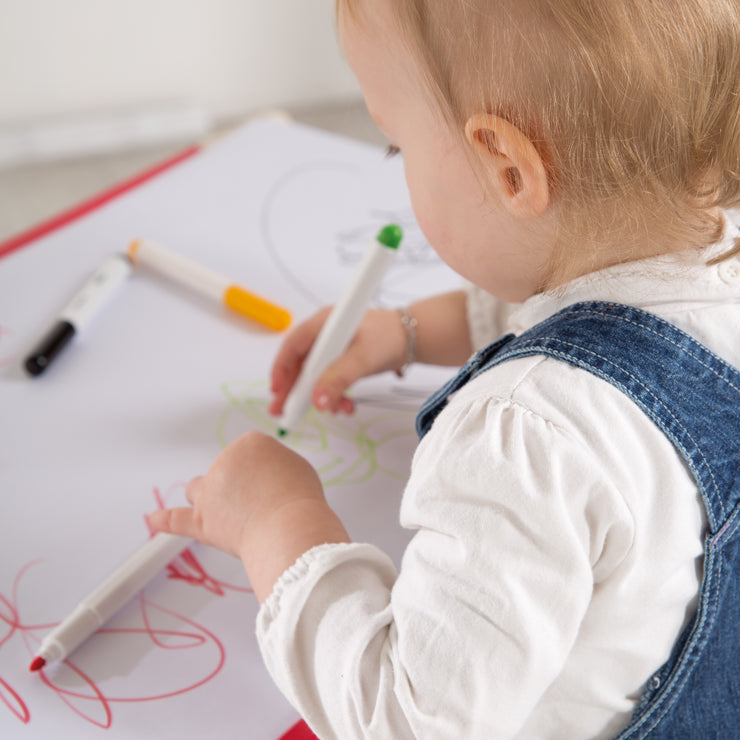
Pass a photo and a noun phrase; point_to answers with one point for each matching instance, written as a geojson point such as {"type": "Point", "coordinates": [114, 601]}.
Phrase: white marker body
{"type": "Point", "coordinates": [124, 583]}
{"type": "Point", "coordinates": [180, 269]}
{"type": "Point", "coordinates": [97, 290]}
{"type": "Point", "coordinates": [338, 331]}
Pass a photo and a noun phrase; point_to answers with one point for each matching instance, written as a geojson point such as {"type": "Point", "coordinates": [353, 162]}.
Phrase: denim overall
{"type": "Point", "coordinates": [694, 397]}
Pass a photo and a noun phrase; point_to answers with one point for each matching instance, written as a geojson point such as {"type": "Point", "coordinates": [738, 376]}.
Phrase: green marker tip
{"type": "Point", "coordinates": [282, 432]}
{"type": "Point", "coordinates": [390, 236]}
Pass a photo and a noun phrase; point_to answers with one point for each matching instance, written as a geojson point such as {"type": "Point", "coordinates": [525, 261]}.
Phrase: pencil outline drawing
{"type": "Point", "coordinates": [346, 246]}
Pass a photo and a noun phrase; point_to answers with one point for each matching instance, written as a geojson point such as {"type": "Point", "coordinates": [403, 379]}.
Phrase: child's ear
{"type": "Point", "coordinates": [518, 173]}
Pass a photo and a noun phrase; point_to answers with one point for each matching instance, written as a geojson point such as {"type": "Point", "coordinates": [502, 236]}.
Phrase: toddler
{"type": "Point", "coordinates": [574, 496]}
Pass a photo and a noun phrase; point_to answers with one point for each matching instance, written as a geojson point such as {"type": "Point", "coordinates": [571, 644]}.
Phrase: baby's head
{"type": "Point", "coordinates": [631, 108]}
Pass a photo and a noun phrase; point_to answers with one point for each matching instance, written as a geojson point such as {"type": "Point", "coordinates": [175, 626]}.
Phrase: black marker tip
{"type": "Point", "coordinates": [36, 365]}
{"type": "Point", "coordinates": [51, 345]}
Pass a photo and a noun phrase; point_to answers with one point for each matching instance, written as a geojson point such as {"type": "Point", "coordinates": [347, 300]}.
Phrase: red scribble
{"type": "Point", "coordinates": [97, 693]}
{"type": "Point", "coordinates": [199, 577]}
{"type": "Point", "coordinates": [14, 702]}
{"type": "Point", "coordinates": [197, 638]}
{"type": "Point", "coordinates": [92, 704]}
{"type": "Point", "coordinates": [161, 500]}
{"type": "Point", "coordinates": [9, 696]}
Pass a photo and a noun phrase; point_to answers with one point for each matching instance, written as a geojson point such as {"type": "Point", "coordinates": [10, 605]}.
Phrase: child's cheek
{"type": "Point", "coordinates": [426, 211]}
{"type": "Point", "coordinates": [435, 223]}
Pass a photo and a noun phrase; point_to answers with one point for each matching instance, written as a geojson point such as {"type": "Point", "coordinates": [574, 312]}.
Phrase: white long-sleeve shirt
{"type": "Point", "coordinates": [557, 551]}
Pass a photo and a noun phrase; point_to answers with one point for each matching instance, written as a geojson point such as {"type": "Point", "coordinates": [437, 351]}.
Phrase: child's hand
{"type": "Point", "coordinates": [259, 501]}
{"type": "Point", "coordinates": [378, 345]}
{"type": "Point", "coordinates": [252, 476]}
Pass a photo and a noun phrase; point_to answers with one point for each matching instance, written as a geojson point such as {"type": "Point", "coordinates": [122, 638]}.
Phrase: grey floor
{"type": "Point", "coordinates": [32, 193]}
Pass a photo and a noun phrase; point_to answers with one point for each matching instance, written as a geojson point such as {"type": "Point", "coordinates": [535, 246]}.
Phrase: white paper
{"type": "Point", "coordinates": [146, 398]}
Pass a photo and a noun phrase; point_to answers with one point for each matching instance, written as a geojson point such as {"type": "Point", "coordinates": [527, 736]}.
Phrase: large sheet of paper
{"type": "Point", "coordinates": [146, 398]}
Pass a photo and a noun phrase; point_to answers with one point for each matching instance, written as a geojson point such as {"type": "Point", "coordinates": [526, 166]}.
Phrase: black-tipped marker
{"type": "Point", "coordinates": [86, 303]}
{"type": "Point", "coordinates": [49, 347]}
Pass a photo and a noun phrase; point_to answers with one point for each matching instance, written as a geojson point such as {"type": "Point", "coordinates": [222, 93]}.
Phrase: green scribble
{"type": "Point", "coordinates": [345, 450]}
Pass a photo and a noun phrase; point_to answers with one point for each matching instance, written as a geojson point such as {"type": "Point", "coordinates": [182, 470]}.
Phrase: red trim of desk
{"type": "Point", "coordinates": [299, 731]}
{"type": "Point", "coordinates": [87, 206]}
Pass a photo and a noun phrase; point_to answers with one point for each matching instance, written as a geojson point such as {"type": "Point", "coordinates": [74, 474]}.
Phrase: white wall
{"type": "Point", "coordinates": [61, 57]}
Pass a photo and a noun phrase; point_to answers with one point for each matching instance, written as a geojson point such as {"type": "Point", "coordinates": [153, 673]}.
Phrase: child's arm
{"type": "Point", "coordinates": [381, 343]}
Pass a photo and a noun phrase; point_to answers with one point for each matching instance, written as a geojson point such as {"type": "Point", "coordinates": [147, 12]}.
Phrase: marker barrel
{"type": "Point", "coordinates": [113, 593]}
{"type": "Point", "coordinates": [58, 337]}
{"type": "Point", "coordinates": [178, 268]}
{"type": "Point", "coordinates": [70, 634]}
{"type": "Point", "coordinates": [95, 292]}
{"type": "Point", "coordinates": [337, 331]}
{"type": "Point", "coordinates": [208, 283]}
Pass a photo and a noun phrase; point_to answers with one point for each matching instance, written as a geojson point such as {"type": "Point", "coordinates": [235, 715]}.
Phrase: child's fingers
{"type": "Point", "coordinates": [328, 395]}
{"type": "Point", "coordinates": [346, 405]}
{"type": "Point", "coordinates": [194, 484]}
{"type": "Point", "coordinates": [296, 346]}
{"type": "Point", "coordinates": [289, 359]}
{"type": "Point", "coordinates": [180, 521]}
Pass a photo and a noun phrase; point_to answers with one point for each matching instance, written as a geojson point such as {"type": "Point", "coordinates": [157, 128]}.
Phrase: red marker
{"type": "Point", "coordinates": [94, 611]}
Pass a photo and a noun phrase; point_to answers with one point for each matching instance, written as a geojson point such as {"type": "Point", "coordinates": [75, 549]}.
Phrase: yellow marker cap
{"type": "Point", "coordinates": [133, 248]}
{"type": "Point", "coordinates": [254, 307]}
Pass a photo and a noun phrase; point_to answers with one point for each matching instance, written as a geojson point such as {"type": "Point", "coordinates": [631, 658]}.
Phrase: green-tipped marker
{"type": "Point", "coordinates": [390, 236]}
{"type": "Point", "coordinates": [342, 324]}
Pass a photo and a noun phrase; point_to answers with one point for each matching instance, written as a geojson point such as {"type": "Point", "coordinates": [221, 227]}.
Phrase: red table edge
{"type": "Point", "coordinates": [90, 204]}
{"type": "Point", "coordinates": [299, 731]}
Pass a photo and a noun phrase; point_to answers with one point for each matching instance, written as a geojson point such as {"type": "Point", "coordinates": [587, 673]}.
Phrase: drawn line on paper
{"type": "Point", "coordinates": [345, 450]}
{"type": "Point", "coordinates": [13, 701]}
{"type": "Point", "coordinates": [10, 697]}
{"type": "Point", "coordinates": [347, 246]}
{"type": "Point", "coordinates": [266, 218]}
{"type": "Point", "coordinates": [185, 640]}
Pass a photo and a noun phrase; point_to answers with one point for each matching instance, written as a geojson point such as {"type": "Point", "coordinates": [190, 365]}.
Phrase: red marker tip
{"type": "Point", "coordinates": [37, 664]}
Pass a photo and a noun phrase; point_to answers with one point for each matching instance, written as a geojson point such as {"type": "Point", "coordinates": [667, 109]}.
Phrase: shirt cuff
{"type": "Point", "coordinates": [312, 566]}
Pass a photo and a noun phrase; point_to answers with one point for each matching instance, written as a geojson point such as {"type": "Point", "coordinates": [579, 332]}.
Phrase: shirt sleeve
{"type": "Point", "coordinates": [480, 620]}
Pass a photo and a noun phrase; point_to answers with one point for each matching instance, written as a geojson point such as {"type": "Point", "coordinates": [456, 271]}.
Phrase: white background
{"type": "Point", "coordinates": [230, 57]}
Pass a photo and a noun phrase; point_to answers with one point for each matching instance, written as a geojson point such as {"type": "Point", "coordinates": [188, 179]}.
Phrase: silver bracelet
{"type": "Point", "coordinates": [409, 323]}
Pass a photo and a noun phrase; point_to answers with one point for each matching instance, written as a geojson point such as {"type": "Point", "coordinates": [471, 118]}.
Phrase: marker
{"type": "Point", "coordinates": [341, 324]}
{"type": "Point", "coordinates": [94, 611]}
{"type": "Point", "coordinates": [95, 292]}
{"type": "Point", "coordinates": [207, 283]}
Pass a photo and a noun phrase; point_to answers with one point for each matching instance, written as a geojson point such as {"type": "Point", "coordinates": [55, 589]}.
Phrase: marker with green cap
{"type": "Point", "coordinates": [341, 324]}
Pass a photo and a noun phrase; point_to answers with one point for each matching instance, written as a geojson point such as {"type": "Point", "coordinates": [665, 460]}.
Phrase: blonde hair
{"type": "Point", "coordinates": [634, 105]}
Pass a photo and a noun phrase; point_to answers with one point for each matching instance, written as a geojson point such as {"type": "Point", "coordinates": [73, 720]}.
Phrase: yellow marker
{"type": "Point", "coordinates": [202, 280]}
